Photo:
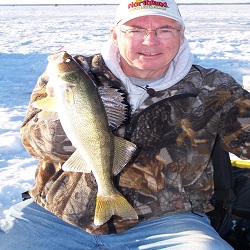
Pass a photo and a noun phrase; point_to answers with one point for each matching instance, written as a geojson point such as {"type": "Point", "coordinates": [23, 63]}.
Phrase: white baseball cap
{"type": "Point", "coordinates": [130, 9]}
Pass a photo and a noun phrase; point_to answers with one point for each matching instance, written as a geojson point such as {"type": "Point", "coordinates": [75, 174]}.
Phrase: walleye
{"type": "Point", "coordinates": [79, 106]}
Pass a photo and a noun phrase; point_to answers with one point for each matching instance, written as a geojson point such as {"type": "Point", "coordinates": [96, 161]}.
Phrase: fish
{"type": "Point", "coordinates": [74, 99]}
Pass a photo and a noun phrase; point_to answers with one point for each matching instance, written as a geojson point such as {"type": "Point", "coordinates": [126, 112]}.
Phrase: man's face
{"type": "Point", "coordinates": [148, 57]}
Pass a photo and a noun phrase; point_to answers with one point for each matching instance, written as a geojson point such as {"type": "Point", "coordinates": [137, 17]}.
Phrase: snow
{"type": "Point", "coordinates": [219, 37]}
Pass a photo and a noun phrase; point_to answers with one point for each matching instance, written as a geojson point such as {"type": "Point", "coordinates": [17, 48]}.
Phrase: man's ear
{"type": "Point", "coordinates": [113, 33]}
{"type": "Point", "coordinates": [182, 36]}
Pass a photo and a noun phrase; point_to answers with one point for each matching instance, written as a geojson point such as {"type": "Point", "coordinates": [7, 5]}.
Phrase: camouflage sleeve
{"type": "Point", "coordinates": [45, 140]}
{"type": "Point", "coordinates": [235, 119]}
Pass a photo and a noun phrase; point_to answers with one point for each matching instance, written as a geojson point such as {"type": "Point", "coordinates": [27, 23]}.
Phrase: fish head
{"type": "Point", "coordinates": [64, 66]}
{"type": "Point", "coordinates": [63, 62]}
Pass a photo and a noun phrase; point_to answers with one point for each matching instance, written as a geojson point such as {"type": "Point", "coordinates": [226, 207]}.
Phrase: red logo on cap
{"type": "Point", "coordinates": [139, 3]}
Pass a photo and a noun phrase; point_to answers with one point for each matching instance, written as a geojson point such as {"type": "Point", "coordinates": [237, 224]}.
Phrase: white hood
{"type": "Point", "coordinates": [177, 70]}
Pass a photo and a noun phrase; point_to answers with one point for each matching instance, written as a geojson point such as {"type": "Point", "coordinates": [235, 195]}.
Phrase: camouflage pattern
{"type": "Point", "coordinates": [174, 131]}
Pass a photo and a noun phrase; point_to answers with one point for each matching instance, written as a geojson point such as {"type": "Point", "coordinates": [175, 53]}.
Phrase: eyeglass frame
{"type": "Point", "coordinates": [126, 31]}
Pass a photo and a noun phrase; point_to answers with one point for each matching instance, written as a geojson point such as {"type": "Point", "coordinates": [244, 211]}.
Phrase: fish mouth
{"type": "Point", "coordinates": [57, 57]}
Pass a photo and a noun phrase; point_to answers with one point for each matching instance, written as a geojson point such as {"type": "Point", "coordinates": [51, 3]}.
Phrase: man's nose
{"type": "Point", "coordinates": [151, 37]}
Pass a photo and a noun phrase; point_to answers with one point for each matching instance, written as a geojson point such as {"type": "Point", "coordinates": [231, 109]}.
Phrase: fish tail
{"type": "Point", "coordinates": [113, 205]}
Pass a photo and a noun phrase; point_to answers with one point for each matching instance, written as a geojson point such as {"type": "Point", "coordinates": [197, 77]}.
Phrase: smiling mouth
{"type": "Point", "coordinates": [149, 54]}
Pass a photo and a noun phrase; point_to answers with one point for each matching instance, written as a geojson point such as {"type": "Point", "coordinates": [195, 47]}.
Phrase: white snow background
{"type": "Point", "coordinates": [219, 37]}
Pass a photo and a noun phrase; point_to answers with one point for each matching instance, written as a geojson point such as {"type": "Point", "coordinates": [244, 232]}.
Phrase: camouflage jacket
{"type": "Point", "coordinates": [175, 131]}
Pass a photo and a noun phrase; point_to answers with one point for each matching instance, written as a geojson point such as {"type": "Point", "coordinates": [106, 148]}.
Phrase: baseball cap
{"type": "Point", "coordinates": [130, 9]}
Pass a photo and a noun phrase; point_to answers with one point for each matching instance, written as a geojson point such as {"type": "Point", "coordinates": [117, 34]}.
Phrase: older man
{"type": "Point", "coordinates": [177, 109]}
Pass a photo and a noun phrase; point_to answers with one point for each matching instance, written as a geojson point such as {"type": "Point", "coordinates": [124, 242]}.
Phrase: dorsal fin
{"type": "Point", "coordinates": [116, 106]}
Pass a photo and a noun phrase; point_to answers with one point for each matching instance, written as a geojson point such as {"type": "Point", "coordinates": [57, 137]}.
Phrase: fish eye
{"type": "Point", "coordinates": [68, 60]}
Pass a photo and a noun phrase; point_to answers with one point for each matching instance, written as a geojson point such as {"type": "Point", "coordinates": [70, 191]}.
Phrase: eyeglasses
{"type": "Point", "coordinates": [140, 33]}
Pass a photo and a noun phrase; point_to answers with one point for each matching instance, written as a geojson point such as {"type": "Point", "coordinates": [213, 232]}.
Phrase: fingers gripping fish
{"type": "Point", "coordinates": [78, 105]}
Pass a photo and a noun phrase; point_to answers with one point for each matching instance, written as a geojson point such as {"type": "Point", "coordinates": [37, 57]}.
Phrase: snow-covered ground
{"type": "Point", "coordinates": [219, 37]}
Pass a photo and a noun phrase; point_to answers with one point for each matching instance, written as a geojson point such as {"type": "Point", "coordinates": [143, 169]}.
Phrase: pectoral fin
{"type": "Point", "coordinates": [76, 163]}
{"type": "Point", "coordinates": [123, 152]}
{"type": "Point", "coordinates": [48, 107]}
{"type": "Point", "coordinates": [48, 116]}
{"type": "Point", "coordinates": [47, 104]}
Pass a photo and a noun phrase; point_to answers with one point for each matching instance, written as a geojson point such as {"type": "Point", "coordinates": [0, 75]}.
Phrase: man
{"type": "Point", "coordinates": [177, 110]}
